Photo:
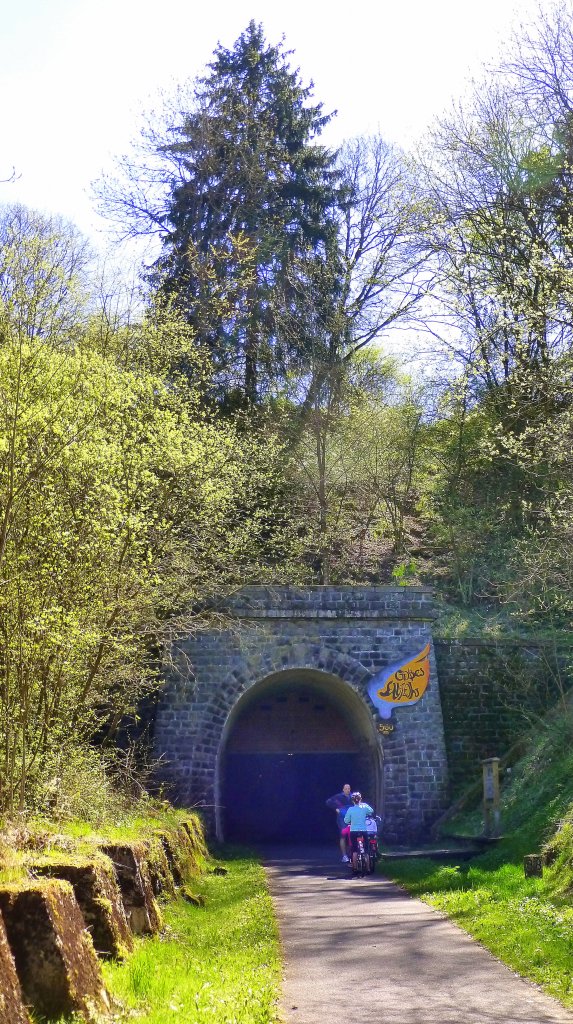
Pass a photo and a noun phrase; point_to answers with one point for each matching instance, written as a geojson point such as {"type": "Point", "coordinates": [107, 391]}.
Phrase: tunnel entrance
{"type": "Point", "coordinates": [294, 741]}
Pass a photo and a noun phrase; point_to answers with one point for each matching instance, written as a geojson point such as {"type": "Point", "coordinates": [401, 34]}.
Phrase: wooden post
{"type": "Point", "coordinates": [533, 865]}
{"type": "Point", "coordinates": [491, 814]}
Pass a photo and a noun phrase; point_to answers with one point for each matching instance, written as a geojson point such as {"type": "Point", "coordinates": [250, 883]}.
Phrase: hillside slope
{"type": "Point", "coordinates": [536, 796]}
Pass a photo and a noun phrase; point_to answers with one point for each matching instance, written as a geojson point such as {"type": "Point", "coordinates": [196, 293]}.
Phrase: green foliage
{"type": "Point", "coordinates": [355, 470]}
{"type": "Point", "coordinates": [559, 858]}
{"type": "Point", "coordinates": [121, 504]}
{"type": "Point", "coordinates": [495, 497]}
{"type": "Point", "coordinates": [404, 572]}
{"type": "Point", "coordinates": [285, 257]}
{"type": "Point", "coordinates": [496, 184]}
{"type": "Point", "coordinates": [472, 497]}
{"type": "Point", "coordinates": [221, 961]}
{"type": "Point", "coordinates": [539, 566]}
{"type": "Point", "coordinates": [499, 233]}
{"type": "Point", "coordinates": [98, 465]}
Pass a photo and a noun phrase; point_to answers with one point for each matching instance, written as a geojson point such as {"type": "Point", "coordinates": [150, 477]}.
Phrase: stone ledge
{"type": "Point", "coordinates": [132, 873]}
{"type": "Point", "coordinates": [342, 614]}
{"type": "Point", "coordinates": [47, 958]}
{"type": "Point", "coordinates": [179, 854]}
{"type": "Point", "coordinates": [497, 644]}
{"type": "Point", "coordinates": [330, 602]}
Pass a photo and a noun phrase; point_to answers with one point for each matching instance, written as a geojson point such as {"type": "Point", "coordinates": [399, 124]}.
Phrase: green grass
{"type": "Point", "coordinates": [527, 923]}
{"type": "Point", "coordinates": [23, 842]}
{"type": "Point", "coordinates": [220, 963]}
{"type": "Point", "coordinates": [132, 824]}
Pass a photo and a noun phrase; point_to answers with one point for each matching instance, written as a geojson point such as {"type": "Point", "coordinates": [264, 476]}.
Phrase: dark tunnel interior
{"type": "Point", "coordinates": [292, 745]}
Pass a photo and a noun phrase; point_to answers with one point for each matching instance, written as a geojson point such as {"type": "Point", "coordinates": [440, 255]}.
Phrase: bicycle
{"type": "Point", "coordinates": [360, 856]}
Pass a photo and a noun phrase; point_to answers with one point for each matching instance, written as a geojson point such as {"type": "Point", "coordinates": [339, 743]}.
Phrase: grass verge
{"type": "Point", "coordinates": [23, 841]}
{"type": "Point", "coordinates": [218, 963]}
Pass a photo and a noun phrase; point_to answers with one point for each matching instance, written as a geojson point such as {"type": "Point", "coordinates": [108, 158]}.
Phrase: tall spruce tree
{"type": "Point", "coordinates": [252, 200]}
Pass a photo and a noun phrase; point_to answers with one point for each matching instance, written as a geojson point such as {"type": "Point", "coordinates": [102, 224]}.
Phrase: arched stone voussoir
{"type": "Point", "coordinates": [299, 659]}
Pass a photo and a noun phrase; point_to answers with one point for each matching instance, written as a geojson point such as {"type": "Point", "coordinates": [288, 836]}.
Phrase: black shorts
{"type": "Point", "coordinates": [354, 837]}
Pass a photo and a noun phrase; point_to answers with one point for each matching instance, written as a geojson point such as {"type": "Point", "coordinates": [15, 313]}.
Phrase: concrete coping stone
{"type": "Point", "coordinates": [342, 614]}
{"type": "Point", "coordinates": [178, 850]}
{"type": "Point", "coordinates": [498, 643]}
{"type": "Point", "coordinates": [99, 899]}
{"type": "Point", "coordinates": [132, 873]}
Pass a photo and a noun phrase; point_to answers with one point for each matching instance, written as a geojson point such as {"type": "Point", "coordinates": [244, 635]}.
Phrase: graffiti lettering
{"type": "Point", "coordinates": [396, 689]}
{"type": "Point", "coordinates": [409, 674]}
{"type": "Point", "coordinates": [402, 683]}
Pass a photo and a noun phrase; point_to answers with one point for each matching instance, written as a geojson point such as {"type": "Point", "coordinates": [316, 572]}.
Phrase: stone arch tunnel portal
{"type": "Point", "coordinates": [291, 741]}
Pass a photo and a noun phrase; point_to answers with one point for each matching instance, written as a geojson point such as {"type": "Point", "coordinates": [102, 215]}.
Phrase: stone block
{"type": "Point", "coordinates": [160, 873]}
{"type": "Point", "coordinates": [533, 865]}
{"type": "Point", "coordinates": [179, 853]}
{"type": "Point", "coordinates": [132, 873]}
{"type": "Point", "coordinates": [194, 830]}
{"type": "Point", "coordinates": [99, 899]}
{"type": "Point", "coordinates": [54, 954]}
{"type": "Point", "coordinates": [196, 899]}
{"type": "Point", "coordinates": [12, 1009]}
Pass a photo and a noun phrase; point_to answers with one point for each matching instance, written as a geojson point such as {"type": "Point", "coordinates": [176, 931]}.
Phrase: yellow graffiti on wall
{"type": "Point", "coordinates": [409, 681]}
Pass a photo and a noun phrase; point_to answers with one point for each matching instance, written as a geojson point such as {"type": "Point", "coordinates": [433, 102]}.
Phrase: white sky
{"type": "Point", "coordinates": [74, 74]}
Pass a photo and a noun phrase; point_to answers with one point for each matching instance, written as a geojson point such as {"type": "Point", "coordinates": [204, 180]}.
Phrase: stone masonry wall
{"type": "Point", "coordinates": [347, 633]}
{"type": "Point", "coordinates": [491, 692]}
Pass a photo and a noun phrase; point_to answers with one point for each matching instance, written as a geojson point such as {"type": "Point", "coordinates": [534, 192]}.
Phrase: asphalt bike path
{"type": "Point", "coordinates": [359, 951]}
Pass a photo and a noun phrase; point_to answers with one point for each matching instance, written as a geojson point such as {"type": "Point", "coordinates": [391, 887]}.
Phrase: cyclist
{"type": "Point", "coordinates": [355, 817]}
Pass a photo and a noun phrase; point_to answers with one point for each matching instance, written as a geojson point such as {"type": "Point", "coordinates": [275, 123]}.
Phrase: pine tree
{"type": "Point", "coordinates": [253, 201]}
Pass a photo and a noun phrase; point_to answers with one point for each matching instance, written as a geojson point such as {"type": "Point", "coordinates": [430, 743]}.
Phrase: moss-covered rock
{"type": "Point", "coordinates": [130, 864]}
{"type": "Point", "coordinates": [54, 954]}
{"type": "Point", "coordinates": [193, 826]}
{"type": "Point", "coordinates": [97, 892]}
{"type": "Point", "coordinates": [195, 898]}
{"type": "Point", "coordinates": [160, 873]}
{"type": "Point", "coordinates": [179, 854]}
{"type": "Point", "coordinates": [12, 1010]}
